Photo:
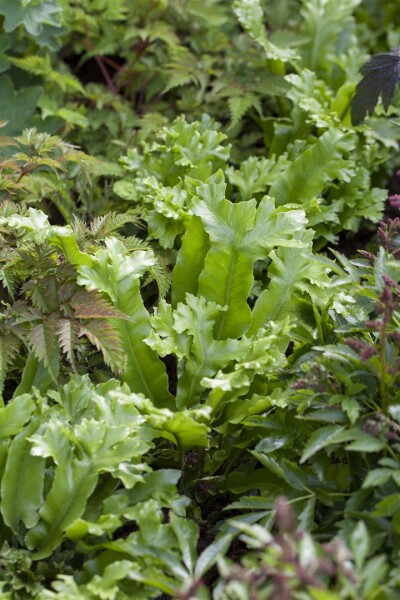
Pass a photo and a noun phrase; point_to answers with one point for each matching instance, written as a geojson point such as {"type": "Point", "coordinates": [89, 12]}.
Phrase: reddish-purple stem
{"type": "Point", "coordinates": [110, 84]}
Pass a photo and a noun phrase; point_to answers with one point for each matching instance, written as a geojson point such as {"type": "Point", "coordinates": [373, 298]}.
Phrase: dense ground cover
{"type": "Point", "coordinates": [199, 333]}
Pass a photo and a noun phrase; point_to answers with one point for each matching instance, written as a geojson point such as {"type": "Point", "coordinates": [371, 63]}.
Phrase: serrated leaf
{"type": "Point", "coordinates": [239, 105]}
{"type": "Point", "coordinates": [89, 305]}
{"type": "Point", "coordinates": [33, 15]}
{"type": "Point", "coordinates": [43, 338]}
{"type": "Point", "coordinates": [320, 439]}
{"type": "Point", "coordinates": [67, 333]}
{"type": "Point", "coordinates": [105, 336]}
{"type": "Point", "coordinates": [179, 76]}
{"type": "Point", "coordinates": [352, 409]}
{"type": "Point", "coordinates": [388, 507]}
{"type": "Point", "coordinates": [306, 516]}
{"type": "Point", "coordinates": [365, 442]}
{"type": "Point", "coordinates": [210, 555]}
{"type": "Point", "coordinates": [377, 477]}
{"type": "Point", "coordinates": [17, 106]}
{"type": "Point", "coordinates": [359, 544]}
{"type": "Point", "coordinates": [41, 66]}
{"type": "Point", "coordinates": [359, 441]}
{"type": "Point", "coordinates": [187, 533]}
{"type": "Point", "coordinates": [285, 469]}
{"type": "Point", "coordinates": [251, 17]}
{"type": "Point", "coordinates": [9, 346]}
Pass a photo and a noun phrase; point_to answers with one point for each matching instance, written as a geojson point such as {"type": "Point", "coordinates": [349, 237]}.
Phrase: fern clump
{"type": "Point", "coordinates": [199, 372]}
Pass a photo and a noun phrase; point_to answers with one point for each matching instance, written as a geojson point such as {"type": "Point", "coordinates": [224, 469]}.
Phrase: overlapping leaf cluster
{"type": "Point", "coordinates": [197, 400]}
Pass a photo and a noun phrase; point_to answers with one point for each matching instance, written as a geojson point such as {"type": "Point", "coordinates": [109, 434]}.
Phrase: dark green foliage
{"type": "Point", "coordinates": [381, 76]}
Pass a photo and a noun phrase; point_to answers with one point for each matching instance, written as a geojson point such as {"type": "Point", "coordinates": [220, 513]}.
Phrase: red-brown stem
{"type": "Point", "coordinates": [108, 79]}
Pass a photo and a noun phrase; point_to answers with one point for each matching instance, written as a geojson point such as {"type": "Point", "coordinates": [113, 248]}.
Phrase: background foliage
{"type": "Point", "coordinates": [199, 374]}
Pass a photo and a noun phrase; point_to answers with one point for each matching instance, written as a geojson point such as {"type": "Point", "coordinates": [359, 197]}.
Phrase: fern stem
{"type": "Point", "coordinates": [382, 361]}
{"type": "Point", "coordinates": [106, 75]}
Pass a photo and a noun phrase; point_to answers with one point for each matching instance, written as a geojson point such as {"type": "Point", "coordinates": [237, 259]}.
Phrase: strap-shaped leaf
{"type": "Point", "coordinates": [323, 24]}
{"type": "Point", "coordinates": [240, 234]}
{"type": "Point", "coordinates": [22, 483]}
{"type": "Point", "coordinates": [190, 260]}
{"type": "Point", "coordinates": [35, 375]}
{"type": "Point", "coordinates": [227, 275]}
{"type": "Point", "coordinates": [15, 415]}
{"type": "Point", "coordinates": [307, 176]}
{"type": "Point", "coordinates": [66, 240]}
{"type": "Point", "coordinates": [117, 274]}
{"type": "Point", "coordinates": [292, 273]}
{"type": "Point", "coordinates": [73, 483]}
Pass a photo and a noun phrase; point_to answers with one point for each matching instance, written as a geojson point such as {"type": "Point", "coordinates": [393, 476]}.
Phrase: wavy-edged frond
{"type": "Point", "coordinates": [240, 233]}
{"type": "Point", "coordinates": [117, 274]}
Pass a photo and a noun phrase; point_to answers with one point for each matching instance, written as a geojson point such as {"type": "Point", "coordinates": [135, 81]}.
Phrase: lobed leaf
{"type": "Point", "coordinates": [239, 235]}
{"type": "Point", "coordinates": [381, 75]}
